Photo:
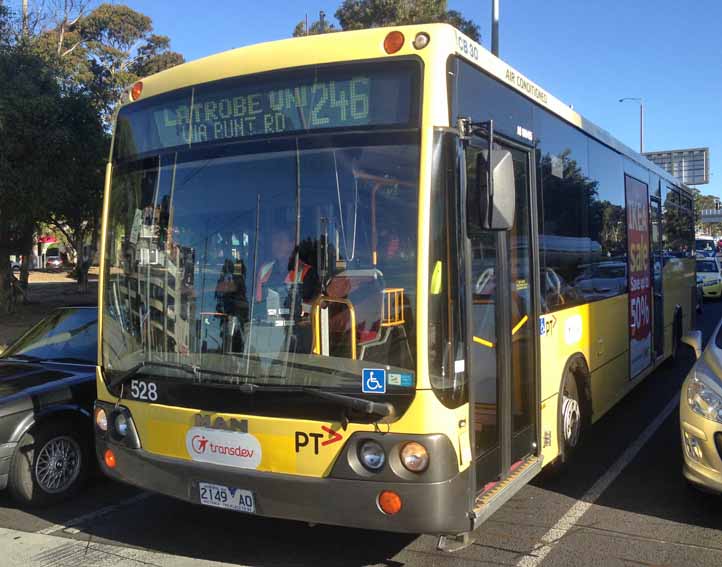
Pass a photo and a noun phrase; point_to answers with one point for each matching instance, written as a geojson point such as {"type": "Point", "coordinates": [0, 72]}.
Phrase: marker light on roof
{"type": "Point", "coordinates": [393, 42]}
{"type": "Point", "coordinates": [421, 40]}
{"type": "Point", "coordinates": [136, 90]}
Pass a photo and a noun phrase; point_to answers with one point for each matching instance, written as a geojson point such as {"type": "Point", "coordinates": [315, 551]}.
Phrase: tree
{"type": "Point", "coordinates": [63, 67]}
{"type": "Point", "coordinates": [76, 204]}
{"type": "Point", "coordinates": [155, 56]}
{"type": "Point", "coordinates": [363, 14]}
{"type": "Point", "coordinates": [31, 136]}
{"type": "Point", "coordinates": [315, 28]}
{"type": "Point", "coordinates": [702, 202]}
{"type": "Point", "coordinates": [101, 52]}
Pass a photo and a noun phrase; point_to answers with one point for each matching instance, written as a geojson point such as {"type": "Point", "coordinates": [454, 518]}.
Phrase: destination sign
{"type": "Point", "coordinates": [233, 109]}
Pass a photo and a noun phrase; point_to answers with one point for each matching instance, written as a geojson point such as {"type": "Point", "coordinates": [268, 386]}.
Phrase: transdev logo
{"type": "Point", "coordinates": [199, 443]}
{"type": "Point", "coordinates": [230, 448]}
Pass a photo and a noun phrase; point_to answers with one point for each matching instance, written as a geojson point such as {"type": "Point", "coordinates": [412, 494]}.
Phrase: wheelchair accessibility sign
{"type": "Point", "coordinates": [373, 381]}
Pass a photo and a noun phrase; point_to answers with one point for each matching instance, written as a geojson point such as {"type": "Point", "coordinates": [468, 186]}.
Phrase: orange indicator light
{"type": "Point", "coordinates": [393, 42]}
{"type": "Point", "coordinates": [389, 502]}
{"type": "Point", "coordinates": [136, 90]}
{"type": "Point", "coordinates": [109, 459]}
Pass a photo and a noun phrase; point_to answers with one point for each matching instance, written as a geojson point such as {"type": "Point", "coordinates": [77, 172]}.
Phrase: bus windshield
{"type": "Point", "coordinates": [286, 262]}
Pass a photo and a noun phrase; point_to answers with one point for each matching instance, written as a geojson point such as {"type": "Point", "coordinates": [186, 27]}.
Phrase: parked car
{"type": "Point", "coordinates": [700, 413]}
{"type": "Point", "coordinates": [53, 262]}
{"type": "Point", "coordinates": [47, 389]}
{"type": "Point", "coordinates": [709, 270]}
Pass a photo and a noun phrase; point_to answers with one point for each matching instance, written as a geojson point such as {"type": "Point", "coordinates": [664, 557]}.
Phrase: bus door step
{"type": "Point", "coordinates": [492, 499]}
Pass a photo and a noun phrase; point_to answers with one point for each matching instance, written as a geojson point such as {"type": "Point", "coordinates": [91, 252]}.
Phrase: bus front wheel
{"type": "Point", "coordinates": [571, 415]}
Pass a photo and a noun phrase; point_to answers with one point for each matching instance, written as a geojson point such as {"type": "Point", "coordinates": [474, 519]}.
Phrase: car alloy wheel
{"type": "Point", "coordinates": [58, 464]}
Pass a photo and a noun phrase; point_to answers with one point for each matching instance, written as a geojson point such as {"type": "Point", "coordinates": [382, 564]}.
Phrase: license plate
{"type": "Point", "coordinates": [226, 497]}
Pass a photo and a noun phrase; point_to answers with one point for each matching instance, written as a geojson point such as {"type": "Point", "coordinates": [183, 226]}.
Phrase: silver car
{"type": "Point", "coordinates": [700, 413]}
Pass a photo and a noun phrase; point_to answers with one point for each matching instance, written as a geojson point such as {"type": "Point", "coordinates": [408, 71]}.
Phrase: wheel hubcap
{"type": "Point", "coordinates": [571, 421]}
{"type": "Point", "coordinates": [58, 464]}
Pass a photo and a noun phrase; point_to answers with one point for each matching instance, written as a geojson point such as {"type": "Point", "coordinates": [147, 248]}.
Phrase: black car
{"type": "Point", "coordinates": [47, 389]}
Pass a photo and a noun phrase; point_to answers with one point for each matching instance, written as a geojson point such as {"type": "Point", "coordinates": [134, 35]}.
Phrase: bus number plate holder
{"type": "Point", "coordinates": [220, 496]}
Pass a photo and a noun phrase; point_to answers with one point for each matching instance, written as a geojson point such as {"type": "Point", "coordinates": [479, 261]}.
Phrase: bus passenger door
{"type": "Point", "coordinates": [502, 346]}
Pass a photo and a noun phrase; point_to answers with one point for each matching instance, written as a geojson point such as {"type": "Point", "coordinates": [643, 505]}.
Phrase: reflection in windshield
{"type": "Point", "coordinates": [267, 262]}
{"type": "Point", "coordinates": [67, 335]}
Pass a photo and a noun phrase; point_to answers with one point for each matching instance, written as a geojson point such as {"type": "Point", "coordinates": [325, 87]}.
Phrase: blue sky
{"type": "Point", "coordinates": [588, 53]}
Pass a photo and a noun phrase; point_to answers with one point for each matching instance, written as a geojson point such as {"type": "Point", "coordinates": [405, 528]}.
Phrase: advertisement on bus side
{"type": "Point", "coordinates": [640, 291]}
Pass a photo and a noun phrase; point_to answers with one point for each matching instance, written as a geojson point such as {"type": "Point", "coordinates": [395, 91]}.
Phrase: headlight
{"type": "Point", "coordinates": [372, 456]}
{"type": "Point", "coordinates": [121, 424]}
{"type": "Point", "coordinates": [415, 457]}
{"type": "Point", "coordinates": [703, 400]}
{"type": "Point", "coordinates": [101, 419]}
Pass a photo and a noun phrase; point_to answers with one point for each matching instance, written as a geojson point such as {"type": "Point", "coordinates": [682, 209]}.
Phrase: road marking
{"type": "Point", "coordinates": [20, 549]}
{"type": "Point", "coordinates": [85, 518]}
{"type": "Point", "coordinates": [574, 514]}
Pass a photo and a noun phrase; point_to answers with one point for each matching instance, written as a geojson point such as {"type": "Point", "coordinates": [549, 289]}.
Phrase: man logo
{"type": "Point", "coordinates": [199, 443]}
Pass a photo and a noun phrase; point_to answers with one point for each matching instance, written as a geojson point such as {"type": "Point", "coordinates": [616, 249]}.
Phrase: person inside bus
{"type": "Point", "coordinates": [232, 300]}
{"type": "Point", "coordinates": [278, 274]}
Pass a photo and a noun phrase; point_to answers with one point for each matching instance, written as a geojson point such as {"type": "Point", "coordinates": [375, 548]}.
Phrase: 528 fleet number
{"type": "Point", "coordinates": [145, 391]}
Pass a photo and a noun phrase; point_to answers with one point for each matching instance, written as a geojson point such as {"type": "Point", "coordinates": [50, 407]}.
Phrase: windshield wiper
{"type": "Point", "coordinates": [382, 409]}
{"type": "Point", "coordinates": [118, 379]}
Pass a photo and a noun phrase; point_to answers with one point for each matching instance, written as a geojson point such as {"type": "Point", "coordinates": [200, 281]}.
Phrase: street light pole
{"type": "Point", "coordinates": [641, 119]}
{"type": "Point", "coordinates": [495, 27]}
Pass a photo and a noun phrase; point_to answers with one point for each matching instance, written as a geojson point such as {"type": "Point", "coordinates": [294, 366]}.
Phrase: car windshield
{"type": "Point", "coordinates": [67, 335]}
{"type": "Point", "coordinates": [287, 262]}
{"type": "Point", "coordinates": [707, 266]}
{"type": "Point", "coordinates": [704, 245]}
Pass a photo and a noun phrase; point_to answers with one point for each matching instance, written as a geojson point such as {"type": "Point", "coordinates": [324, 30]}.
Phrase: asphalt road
{"type": "Point", "coordinates": [643, 512]}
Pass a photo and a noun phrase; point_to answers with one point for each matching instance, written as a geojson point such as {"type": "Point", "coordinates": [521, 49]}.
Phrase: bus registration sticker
{"type": "Point", "coordinates": [226, 497]}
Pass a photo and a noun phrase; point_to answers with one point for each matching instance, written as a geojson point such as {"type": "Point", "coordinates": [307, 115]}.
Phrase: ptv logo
{"type": "Point", "coordinates": [303, 439]}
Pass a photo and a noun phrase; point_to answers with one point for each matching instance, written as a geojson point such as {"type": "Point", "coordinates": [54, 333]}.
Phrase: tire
{"type": "Point", "coordinates": [50, 463]}
{"type": "Point", "coordinates": [571, 417]}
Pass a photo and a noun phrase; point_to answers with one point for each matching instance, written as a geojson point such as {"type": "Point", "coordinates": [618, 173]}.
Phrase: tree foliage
{"type": "Point", "coordinates": [63, 73]}
{"type": "Point", "coordinates": [31, 134]}
{"type": "Point", "coordinates": [702, 202]}
{"type": "Point", "coordinates": [103, 51]}
{"type": "Point", "coordinates": [363, 14]}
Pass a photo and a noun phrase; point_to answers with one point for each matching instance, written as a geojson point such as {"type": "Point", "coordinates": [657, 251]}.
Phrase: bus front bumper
{"type": "Point", "coordinates": [431, 508]}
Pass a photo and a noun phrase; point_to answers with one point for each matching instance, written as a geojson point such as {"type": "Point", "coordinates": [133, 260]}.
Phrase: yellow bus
{"type": "Point", "coordinates": [375, 279]}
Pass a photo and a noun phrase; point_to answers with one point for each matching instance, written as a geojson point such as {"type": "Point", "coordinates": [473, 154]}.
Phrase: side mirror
{"type": "Point", "coordinates": [694, 339]}
{"type": "Point", "coordinates": [496, 189]}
